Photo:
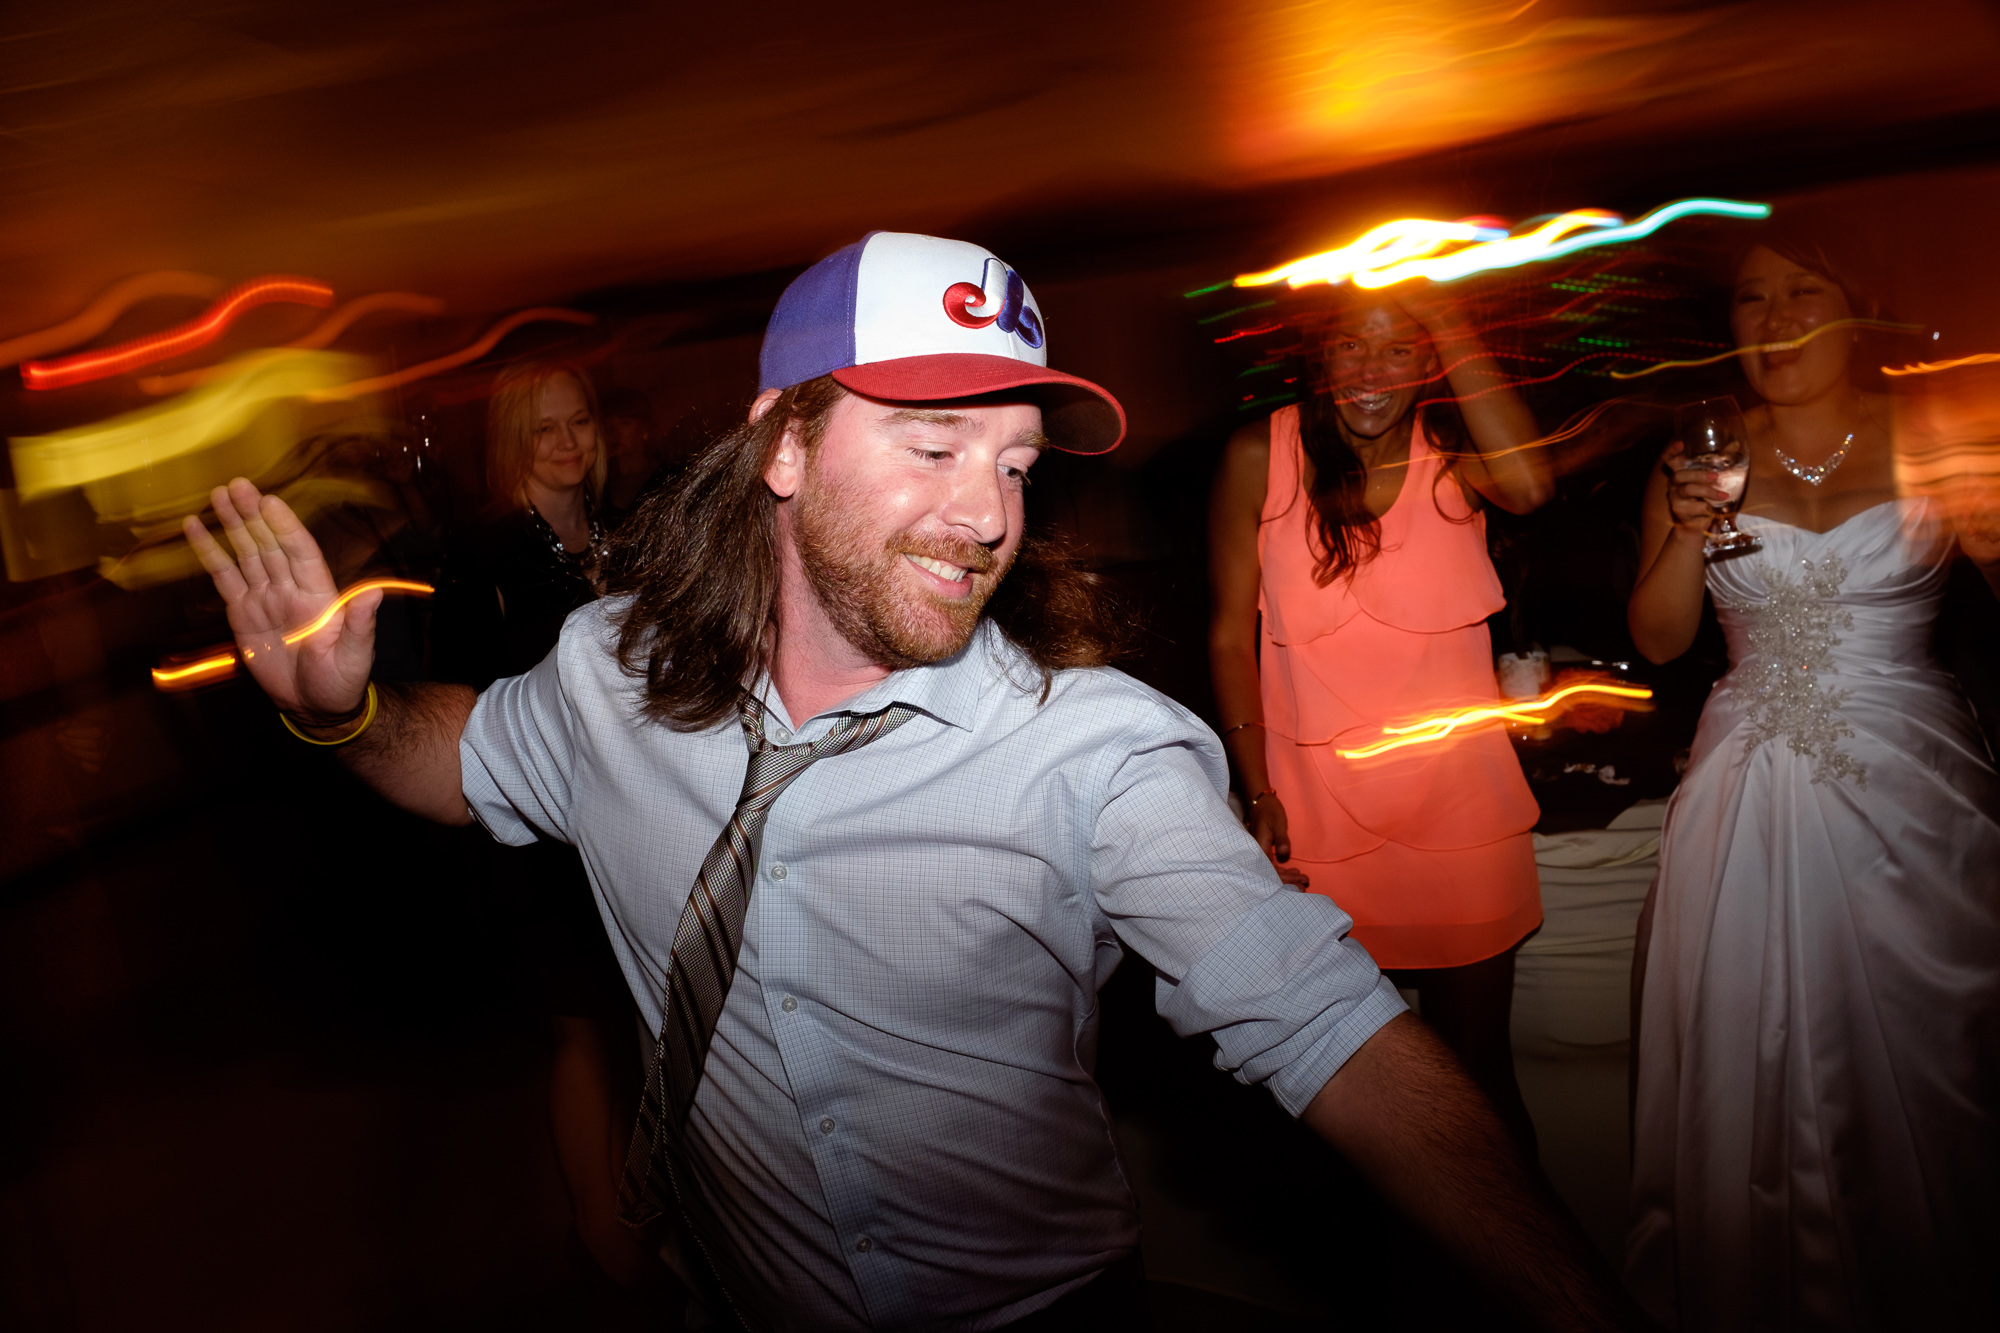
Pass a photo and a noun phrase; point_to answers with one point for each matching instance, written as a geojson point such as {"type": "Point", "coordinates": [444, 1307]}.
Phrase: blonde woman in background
{"type": "Point", "coordinates": [508, 585]}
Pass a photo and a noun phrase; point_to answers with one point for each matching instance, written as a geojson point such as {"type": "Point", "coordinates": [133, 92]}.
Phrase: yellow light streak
{"type": "Point", "coordinates": [222, 664]}
{"type": "Point", "coordinates": [155, 435]}
{"type": "Point", "coordinates": [1408, 247]}
{"type": "Point", "coordinates": [1853, 322]}
{"type": "Point", "coordinates": [1529, 712]}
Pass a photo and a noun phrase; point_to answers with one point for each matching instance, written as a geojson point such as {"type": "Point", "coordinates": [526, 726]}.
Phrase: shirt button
{"type": "Point", "coordinates": [777, 870]}
{"type": "Point", "coordinates": [790, 1005]}
{"type": "Point", "coordinates": [863, 1245]}
{"type": "Point", "coordinates": [826, 1125]}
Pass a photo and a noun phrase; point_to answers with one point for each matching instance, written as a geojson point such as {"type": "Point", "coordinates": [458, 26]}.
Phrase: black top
{"type": "Point", "coordinates": [506, 587]}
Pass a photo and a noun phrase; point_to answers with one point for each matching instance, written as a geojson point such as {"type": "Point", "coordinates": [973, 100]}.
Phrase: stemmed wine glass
{"type": "Point", "coordinates": [1714, 437]}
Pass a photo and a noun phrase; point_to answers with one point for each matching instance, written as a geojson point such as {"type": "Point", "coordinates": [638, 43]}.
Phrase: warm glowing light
{"type": "Point", "coordinates": [87, 366]}
{"type": "Point", "coordinates": [183, 429]}
{"type": "Point", "coordinates": [1854, 322]}
{"type": "Point", "coordinates": [452, 360]}
{"type": "Point", "coordinates": [96, 317]}
{"type": "Point", "coordinates": [1386, 245]}
{"type": "Point", "coordinates": [329, 329]}
{"type": "Point", "coordinates": [1397, 251]}
{"type": "Point", "coordinates": [1530, 712]}
{"type": "Point", "coordinates": [222, 665]}
{"type": "Point", "coordinates": [1933, 367]}
{"type": "Point", "coordinates": [319, 622]}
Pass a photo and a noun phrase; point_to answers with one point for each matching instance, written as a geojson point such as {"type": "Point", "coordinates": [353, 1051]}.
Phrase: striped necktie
{"type": "Point", "coordinates": [706, 943]}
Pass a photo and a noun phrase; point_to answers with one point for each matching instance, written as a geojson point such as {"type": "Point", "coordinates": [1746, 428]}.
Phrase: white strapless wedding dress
{"type": "Point", "coordinates": [1816, 1143]}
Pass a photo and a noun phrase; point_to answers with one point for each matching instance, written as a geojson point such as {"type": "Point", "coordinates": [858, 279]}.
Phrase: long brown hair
{"type": "Point", "coordinates": [700, 562]}
{"type": "Point", "coordinates": [1344, 534]}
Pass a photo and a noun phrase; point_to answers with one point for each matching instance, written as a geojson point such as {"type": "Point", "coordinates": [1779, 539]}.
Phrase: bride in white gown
{"type": "Point", "coordinates": [1819, 1037]}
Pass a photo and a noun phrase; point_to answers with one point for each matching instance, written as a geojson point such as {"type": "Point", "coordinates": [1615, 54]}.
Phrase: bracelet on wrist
{"type": "Point", "coordinates": [1251, 804]}
{"type": "Point", "coordinates": [370, 705]}
{"type": "Point", "coordinates": [1238, 727]}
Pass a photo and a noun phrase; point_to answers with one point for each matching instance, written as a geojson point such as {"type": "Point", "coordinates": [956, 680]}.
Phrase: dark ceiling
{"type": "Point", "coordinates": [510, 151]}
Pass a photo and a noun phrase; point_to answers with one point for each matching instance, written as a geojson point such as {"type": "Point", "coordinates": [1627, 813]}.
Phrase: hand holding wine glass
{"type": "Point", "coordinates": [1715, 445]}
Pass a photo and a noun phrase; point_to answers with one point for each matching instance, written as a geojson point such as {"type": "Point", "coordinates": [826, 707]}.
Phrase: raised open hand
{"type": "Point", "coordinates": [275, 584]}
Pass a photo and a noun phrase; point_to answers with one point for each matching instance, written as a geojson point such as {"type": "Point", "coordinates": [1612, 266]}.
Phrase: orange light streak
{"type": "Point", "coordinates": [455, 359]}
{"type": "Point", "coordinates": [222, 665]}
{"type": "Point", "coordinates": [1933, 367]}
{"type": "Point", "coordinates": [1854, 322]}
{"type": "Point", "coordinates": [87, 366]}
{"type": "Point", "coordinates": [96, 317]}
{"type": "Point", "coordinates": [1531, 712]}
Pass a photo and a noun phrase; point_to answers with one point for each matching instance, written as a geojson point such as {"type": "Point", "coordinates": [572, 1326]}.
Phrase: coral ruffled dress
{"type": "Point", "coordinates": [1426, 847]}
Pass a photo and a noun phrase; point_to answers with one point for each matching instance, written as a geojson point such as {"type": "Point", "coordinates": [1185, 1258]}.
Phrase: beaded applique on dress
{"type": "Point", "coordinates": [1792, 641]}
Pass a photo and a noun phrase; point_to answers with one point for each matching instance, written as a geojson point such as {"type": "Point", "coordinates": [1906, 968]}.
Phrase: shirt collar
{"type": "Point", "coordinates": [948, 691]}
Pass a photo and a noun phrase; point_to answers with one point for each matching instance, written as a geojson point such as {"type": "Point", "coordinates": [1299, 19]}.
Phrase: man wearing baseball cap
{"type": "Point", "coordinates": [869, 822]}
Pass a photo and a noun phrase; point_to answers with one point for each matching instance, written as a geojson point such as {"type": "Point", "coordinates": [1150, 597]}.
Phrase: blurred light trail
{"type": "Point", "coordinates": [181, 674]}
{"type": "Point", "coordinates": [96, 317]}
{"type": "Point", "coordinates": [329, 329]}
{"type": "Point", "coordinates": [1933, 367]}
{"type": "Point", "coordinates": [455, 359]}
{"type": "Point", "coordinates": [1530, 712]}
{"type": "Point", "coordinates": [147, 438]}
{"type": "Point", "coordinates": [106, 362]}
{"type": "Point", "coordinates": [1408, 248]}
{"type": "Point", "coordinates": [1854, 322]}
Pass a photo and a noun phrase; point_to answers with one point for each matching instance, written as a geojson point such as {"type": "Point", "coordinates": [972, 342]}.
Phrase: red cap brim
{"type": "Point", "coordinates": [1077, 416]}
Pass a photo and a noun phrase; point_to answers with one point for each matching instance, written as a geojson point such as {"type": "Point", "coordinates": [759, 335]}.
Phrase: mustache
{"type": "Point", "coordinates": [967, 555]}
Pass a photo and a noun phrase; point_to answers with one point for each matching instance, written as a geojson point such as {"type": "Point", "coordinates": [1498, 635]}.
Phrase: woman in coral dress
{"type": "Point", "coordinates": [1351, 588]}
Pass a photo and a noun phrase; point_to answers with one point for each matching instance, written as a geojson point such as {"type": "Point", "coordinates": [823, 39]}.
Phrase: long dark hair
{"type": "Point", "coordinates": [1345, 536]}
{"type": "Point", "coordinates": [700, 563]}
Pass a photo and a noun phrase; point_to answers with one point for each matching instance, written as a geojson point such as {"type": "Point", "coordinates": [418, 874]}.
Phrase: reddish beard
{"type": "Point", "coordinates": [867, 596]}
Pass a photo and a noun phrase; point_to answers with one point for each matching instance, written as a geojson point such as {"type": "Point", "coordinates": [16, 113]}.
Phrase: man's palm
{"type": "Point", "coordinates": [274, 584]}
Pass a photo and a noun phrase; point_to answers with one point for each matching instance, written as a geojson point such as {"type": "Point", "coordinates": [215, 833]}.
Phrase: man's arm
{"type": "Point", "coordinates": [274, 582]}
{"type": "Point", "coordinates": [1413, 1122]}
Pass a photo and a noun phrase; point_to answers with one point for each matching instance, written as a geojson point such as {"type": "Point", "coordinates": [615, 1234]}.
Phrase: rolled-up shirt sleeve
{"type": "Point", "coordinates": [1267, 971]}
{"type": "Point", "coordinates": [517, 755]}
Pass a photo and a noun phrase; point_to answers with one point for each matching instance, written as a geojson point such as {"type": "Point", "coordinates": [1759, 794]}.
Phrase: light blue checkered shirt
{"type": "Point", "coordinates": [897, 1123]}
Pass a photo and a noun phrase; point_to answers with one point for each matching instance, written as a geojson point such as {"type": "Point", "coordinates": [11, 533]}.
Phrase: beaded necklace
{"type": "Point", "coordinates": [1816, 473]}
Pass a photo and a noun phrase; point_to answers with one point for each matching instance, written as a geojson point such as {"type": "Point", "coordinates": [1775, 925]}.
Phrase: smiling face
{"type": "Point", "coordinates": [1778, 300]}
{"type": "Point", "coordinates": [1380, 360]}
{"type": "Point", "coordinates": [905, 519]}
{"type": "Point", "coordinates": [565, 435]}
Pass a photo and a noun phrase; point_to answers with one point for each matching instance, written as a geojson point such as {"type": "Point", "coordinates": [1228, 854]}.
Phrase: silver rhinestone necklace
{"type": "Point", "coordinates": [1819, 472]}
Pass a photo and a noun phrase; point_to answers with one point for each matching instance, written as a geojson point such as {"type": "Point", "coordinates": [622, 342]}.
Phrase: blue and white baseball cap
{"type": "Point", "coordinates": [920, 319]}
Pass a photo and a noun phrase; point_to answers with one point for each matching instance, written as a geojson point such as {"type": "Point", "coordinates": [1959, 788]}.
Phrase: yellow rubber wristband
{"type": "Point", "coordinates": [367, 721]}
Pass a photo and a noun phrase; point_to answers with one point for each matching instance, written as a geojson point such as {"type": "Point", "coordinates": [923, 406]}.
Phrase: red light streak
{"type": "Point", "coordinates": [96, 317]}
{"type": "Point", "coordinates": [1249, 333]}
{"type": "Point", "coordinates": [184, 674]}
{"type": "Point", "coordinates": [329, 329]}
{"type": "Point", "coordinates": [87, 366]}
{"type": "Point", "coordinates": [1530, 712]}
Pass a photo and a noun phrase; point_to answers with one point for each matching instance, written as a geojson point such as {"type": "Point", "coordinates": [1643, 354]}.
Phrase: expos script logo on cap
{"type": "Point", "coordinates": [911, 318]}
{"type": "Point", "coordinates": [999, 297]}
